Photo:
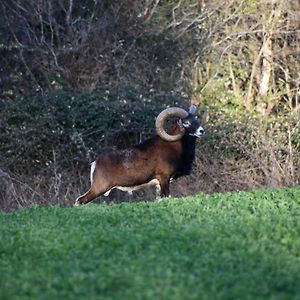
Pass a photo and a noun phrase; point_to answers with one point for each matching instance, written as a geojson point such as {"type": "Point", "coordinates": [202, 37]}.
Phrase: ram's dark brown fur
{"type": "Point", "coordinates": [152, 162]}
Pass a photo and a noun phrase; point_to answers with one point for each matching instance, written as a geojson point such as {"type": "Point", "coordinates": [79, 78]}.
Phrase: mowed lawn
{"type": "Point", "coordinates": [224, 246]}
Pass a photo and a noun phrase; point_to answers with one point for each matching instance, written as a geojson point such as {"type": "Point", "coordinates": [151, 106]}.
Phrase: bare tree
{"type": "Point", "coordinates": [255, 44]}
{"type": "Point", "coordinates": [67, 44]}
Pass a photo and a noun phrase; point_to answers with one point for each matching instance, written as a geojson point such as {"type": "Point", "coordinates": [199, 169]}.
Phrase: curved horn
{"type": "Point", "coordinates": [161, 118]}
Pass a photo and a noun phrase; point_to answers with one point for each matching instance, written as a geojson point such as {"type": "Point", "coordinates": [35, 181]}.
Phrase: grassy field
{"type": "Point", "coordinates": [224, 246]}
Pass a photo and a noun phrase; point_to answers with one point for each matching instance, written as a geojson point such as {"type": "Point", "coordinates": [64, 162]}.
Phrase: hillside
{"type": "Point", "coordinates": [224, 246]}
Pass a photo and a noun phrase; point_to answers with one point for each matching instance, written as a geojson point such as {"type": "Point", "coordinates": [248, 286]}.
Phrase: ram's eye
{"type": "Point", "coordinates": [186, 124]}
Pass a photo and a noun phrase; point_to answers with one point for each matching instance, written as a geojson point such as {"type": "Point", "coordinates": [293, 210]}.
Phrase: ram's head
{"type": "Point", "coordinates": [188, 122]}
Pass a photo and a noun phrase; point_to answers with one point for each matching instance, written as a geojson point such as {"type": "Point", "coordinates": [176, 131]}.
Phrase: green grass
{"type": "Point", "coordinates": [225, 246]}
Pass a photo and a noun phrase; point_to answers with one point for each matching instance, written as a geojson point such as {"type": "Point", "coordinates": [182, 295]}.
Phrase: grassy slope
{"type": "Point", "coordinates": [232, 246]}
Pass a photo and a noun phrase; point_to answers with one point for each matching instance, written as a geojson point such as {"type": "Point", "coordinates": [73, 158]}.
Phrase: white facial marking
{"type": "Point", "coordinates": [200, 131]}
{"type": "Point", "coordinates": [186, 124]}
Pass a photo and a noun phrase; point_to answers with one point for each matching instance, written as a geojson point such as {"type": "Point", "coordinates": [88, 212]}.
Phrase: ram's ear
{"type": "Point", "coordinates": [193, 109]}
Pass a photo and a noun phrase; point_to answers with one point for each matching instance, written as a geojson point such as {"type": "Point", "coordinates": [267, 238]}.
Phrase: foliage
{"type": "Point", "coordinates": [73, 127]}
{"type": "Point", "coordinates": [224, 246]}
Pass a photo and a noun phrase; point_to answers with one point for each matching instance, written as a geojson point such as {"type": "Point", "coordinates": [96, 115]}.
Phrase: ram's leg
{"type": "Point", "coordinates": [99, 186]}
{"type": "Point", "coordinates": [86, 198]}
{"type": "Point", "coordinates": [164, 186]}
{"type": "Point", "coordinates": [165, 190]}
{"type": "Point", "coordinates": [91, 194]}
{"type": "Point", "coordinates": [157, 191]}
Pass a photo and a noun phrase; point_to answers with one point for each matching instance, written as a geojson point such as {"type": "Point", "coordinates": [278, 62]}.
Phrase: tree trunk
{"type": "Point", "coordinates": [266, 68]}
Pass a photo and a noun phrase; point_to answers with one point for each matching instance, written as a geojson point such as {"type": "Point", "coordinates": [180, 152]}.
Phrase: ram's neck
{"type": "Point", "coordinates": [174, 129]}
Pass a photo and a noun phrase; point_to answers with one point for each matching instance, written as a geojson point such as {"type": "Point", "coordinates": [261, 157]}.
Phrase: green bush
{"type": "Point", "coordinates": [73, 128]}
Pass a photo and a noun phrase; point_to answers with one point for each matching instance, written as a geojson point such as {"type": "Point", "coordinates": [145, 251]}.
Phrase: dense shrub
{"type": "Point", "coordinates": [72, 129]}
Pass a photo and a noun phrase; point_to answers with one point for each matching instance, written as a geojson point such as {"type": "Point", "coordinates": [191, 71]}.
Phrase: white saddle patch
{"type": "Point", "coordinates": [93, 167]}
